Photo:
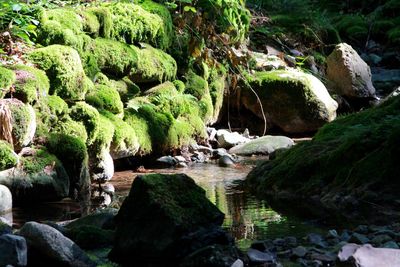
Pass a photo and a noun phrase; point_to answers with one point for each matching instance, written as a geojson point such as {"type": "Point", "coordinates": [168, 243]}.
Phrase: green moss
{"type": "Point", "coordinates": [352, 26]}
{"type": "Point", "coordinates": [7, 79]}
{"type": "Point", "coordinates": [105, 20]}
{"type": "Point", "coordinates": [89, 116]}
{"type": "Point", "coordinates": [217, 88]}
{"type": "Point", "coordinates": [198, 87]}
{"type": "Point", "coordinates": [38, 161]}
{"type": "Point", "coordinates": [31, 83]}
{"type": "Point", "coordinates": [179, 85]}
{"type": "Point", "coordinates": [107, 98]}
{"type": "Point", "coordinates": [8, 158]}
{"type": "Point", "coordinates": [153, 65]}
{"type": "Point", "coordinates": [141, 128]}
{"type": "Point", "coordinates": [91, 237]}
{"type": "Point", "coordinates": [64, 69]}
{"type": "Point", "coordinates": [104, 137]}
{"type": "Point", "coordinates": [21, 118]}
{"type": "Point", "coordinates": [66, 17]}
{"type": "Point", "coordinates": [132, 23]}
{"type": "Point", "coordinates": [110, 57]}
{"type": "Point", "coordinates": [49, 111]}
{"type": "Point", "coordinates": [124, 138]}
{"type": "Point", "coordinates": [71, 128]}
{"type": "Point", "coordinates": [353, 151]}
{"type": "Point", "coordinates": [126, 88]}
{"type": "Point", "coordinates": [90, 23]}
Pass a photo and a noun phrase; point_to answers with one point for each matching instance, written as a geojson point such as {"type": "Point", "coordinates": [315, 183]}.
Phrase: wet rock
{"type": "Point", "coordinates": [5, 228]}
{"type": "Point", "coordinates": [104, 168]}
{"type": "Point", "coordinates": [385, 80]}
{"type": "Point", "coordinates": [91, 237]}
{"type": "Point", "coordinates": [238, 263]}
{"type": "Point", "coordinates": [345, 236]}
{"type": "Point", "coordinates": [350, 75]}
{"type": "Point", "coordinates": [13, 250]}
{"type": "Point", "coordinates": [48, 244]}
{"type": "Point", "coordinates": [256, 256]}
{"type": "Point", "coordinates": [199, 157]}
{"type": "Point", "coordinates": [358, 238]}
{"type": "Point", "coordinates": [225, 161]}
{"type": "Point", "coordinates": [316, 240]}
{"type": "Point", "coordinates": [103, 219]}
{"type": "Point", "coordinates": [158, 218]}
{"type": "Point", "coordinates": [181, 165]}
{"type": "Point", "coordinates": [325, 258]}
{"type": "Point", "coordinates": [380, 239]}
{"type": "Point", "coordinates": [332, 234]}
{"type": "Point", "coordinates": [362, 229]}
{"type": "Point", "coordinates": [213, 256]}
{"type": "Point", "coordinates": [299, 252]}
{"type": "Point", "coordinates": [5, 199]}
{"type": "Point", "coordinates": [180, 159]}
{"type": "Point", "coordinates": [167, 161]}
{"type": "Point", "coordinates": [228, 139]}
{"type": "Point", "coordinates": [291, 241]}
{"type": "Point", "coordinates": [264, 145]}
{"type": "Point", "coordinates": [391, 244]}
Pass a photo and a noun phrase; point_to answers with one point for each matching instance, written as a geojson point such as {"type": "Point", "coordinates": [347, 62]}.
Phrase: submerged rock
{"type": "Point", "coordinates": [264, 145]}
{"type": "Point", "coordinates": [160, 217]}
{"type": "Point", "coordinates": [13, 250]}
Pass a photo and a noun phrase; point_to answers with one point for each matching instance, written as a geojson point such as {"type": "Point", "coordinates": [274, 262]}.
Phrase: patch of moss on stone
{"type": "Point", "coordinates": [216, 83]}
{"type": "Point", "coordinates": [132, 23]}
{"type": "Point", "coordinates": [71, 128]}
{"type": "Point", "coordinates": [126, 88]}
{"type": "Point", "coordinates": [23, 121]}
{"type": "Point", "coordinates": [30, 84]}
{"type": "Point", "coordinates": [7, 79]}
{"type": "Point", "coordinates": [104, 97]}
{"type": "Point", "coordinates": [124, 142]}
{"type": "Point", "coordinates": [102, 142]}
{"type": "Point", "coordinates": [179, 85]}
{"type": "Point", "coordinates": [91, 237]}
{"type": "Point", "coordinates": [63, 66]}
{"type": "Point", "coordinates": [141, 128]}
{"type": "Point", "coordinates": [66, 17]}
{"type": "Point", "coordinates": [110, 57]}
{"type": "Point", "coordinates": [8, 158]}
{"type": "Point", "coordinates": [90, 23]}
{"type": "Point", "coordinates": [49, 111]}
{"type": "Point", "coordinates": [105, 20]}
{"type": "Point", "coordinates": [89, 116]}
{"type": "Point", "coordinates": [153, 65]}
{"type": "Point", "coordinates": [38, 161]}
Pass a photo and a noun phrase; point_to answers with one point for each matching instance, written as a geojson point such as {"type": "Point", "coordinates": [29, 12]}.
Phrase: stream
{"type": "Point", "coordinates": [246, 218]}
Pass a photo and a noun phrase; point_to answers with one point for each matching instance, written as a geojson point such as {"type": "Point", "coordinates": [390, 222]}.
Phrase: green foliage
{"type": "Point", "coordinates": [104, 97]}
{"type": "Point", "coordinates": [18, 19]}
{"type": "Point", "coordinates": [353, 26]}
{"type": "Point", "coordinates": [7, 79]}
{"type": "Point", "coordinates": [31, 84]}
{"type": "Point", "coordinates": [8, 158]}
{"type": "Point", "coordinates": [63, 66]}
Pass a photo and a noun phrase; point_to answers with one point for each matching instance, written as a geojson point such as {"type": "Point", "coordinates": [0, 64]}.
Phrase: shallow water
{"type": "Point", "coordinates": [246, 217]}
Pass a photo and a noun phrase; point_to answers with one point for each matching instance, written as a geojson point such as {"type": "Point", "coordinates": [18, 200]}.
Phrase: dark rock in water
{"type": "Point", "coordinates": [358, 238]}
{"type": "Point", "coordinates": [226, 161]}
{"type": "Point", "coordinates": [213, 256]}
{"type": "Point", "coordinates": [317, 240]}
{"type": "Point", "coordinates": [256, 256]}
{"type": "Point", "coordinates": [48, 247]}
{"type": "Point", "coordinates": [362, 229]}
{"type": "Point", "coordinates": [299, 252]}
{"type": "Point", "coordinates": [158, 218]}
{"type": "Point", "coordinates": [167, 161]}
{"type": "Point", "coordinates": [13, 250]}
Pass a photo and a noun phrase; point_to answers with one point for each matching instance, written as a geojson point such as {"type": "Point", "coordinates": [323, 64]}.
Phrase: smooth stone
{"type": "Point", "coordinates": [323, 257]}
{"type": "Point", "coordinates": [53, 245]}
{"type": "Point", "coordinates": [225, 161]}
{"type": "Point", "coordinates": [317, 240]}
{"type": "Point", "coordinates": [358, 238]}
{"type": "Point", "coordinates": [264, 145]}
{"type": "Point", "coordinates": [13, 250]}
{"type": "Point", "coordinates": [391, 244]}
{"type": "Point", "coordinates": [181, 165]}
{"type": "Point", "coordinates": [228, 139]}
{"type": "Point", "coordinates": [180, 159]}
{"type": "Point", "coordinates": [299, 251]}
{"type": "Point", "coordinates": [257, 256]}
{"type": "Point", "coordinates": [238, 263]}
{"type": "Point", "coordinates": [380, 239]}
{"type": "Point", "coordinates": [5, 199]}
{"type": "Point", "coordinates": [167, 160]}
{"type": "Point", "coordinates": [332, 234]}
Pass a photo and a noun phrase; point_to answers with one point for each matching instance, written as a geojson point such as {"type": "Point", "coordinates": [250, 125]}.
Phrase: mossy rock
{"type": "Point", "coordinates": [49, 111]}
{"type": "Point", "coordinates": [8, 158]}
{"type": "Point", "coordinates": [39, 176]}
{"type": "Point", "coordinates": [30, 85]}
{"type": "Point", "coordinates": [104, 97]}
{"type": "Point", "coordinates": [7, 79]}
{"type": "Point", "coordinates": [292, 100]}
{"type": "Point", "coordinates": [89, 116]}
{"type": "Point", "coordinates": [104, 18]}
{"type": "Point", "coordinates": [90, 237]}
{"type": "Point", "coordinates": [71, 128]}
{"type": "Point", "coordinates": [174, 214]}
{"type": "Point", "coordinates": [102, 142]}
{"type": "Point", "coordinates": [198, 87]}
{"type": "Point", "coordinates": [73, 153]}
{"type": "Point", "coordinates": [110, 57]}
{"type": "Point", "coordinates": [23, 122]}
{"type": "Point", "coordinates": [132, 24]}
{"type": "Point", "coordinates": [217, 86]}
{"type": "Point", "coordinates": [126, 89]}
{"type": "Point", "coordinates": [353, 155]}
{"type": "Point", "coordinates": [153, 65]}
{"type": "Point", "coordinates": [142, 130]}
{"type": "Point", "coordinates": [125, 142]}
{"type": "Point", "coordinates": [63, 66]}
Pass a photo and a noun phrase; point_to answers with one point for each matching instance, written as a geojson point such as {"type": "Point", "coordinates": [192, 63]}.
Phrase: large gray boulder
{"type": "Point", "coordinates": [53, 246]}
{"type": "Point", "coordinates": [349, 74]}
{"type": "Point", "coordinates": [227, 139]}
{"type": "Point", "coordinates": [264, 145]}
{"type": "Point", "coordinates": [13, 250]}
{"type": "Point", "coordinates": [5, 199]}
{"type": "Point", "coordinates": [164, 218]}
{"type": "Point", "coordinates": [294, 101]}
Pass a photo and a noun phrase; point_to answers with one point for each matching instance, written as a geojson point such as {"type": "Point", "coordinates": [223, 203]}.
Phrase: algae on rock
{"type": "Point", "coordinates": [7, 79]}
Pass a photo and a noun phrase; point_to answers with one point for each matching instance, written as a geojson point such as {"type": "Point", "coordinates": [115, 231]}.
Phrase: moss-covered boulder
{"type": "Point", "coordinates": [349, 164]}
{"type": "Point", "coordinates": [50, 111]}
{"type": "Point", "coordinates": [106, 98]}
{"type": "Point", "coordinates": [8, 158]}
{"type": "Point", "coordinates": [292, 100]}
{"type": "Point", "coordinates": [153, 65]}
{"type": "Point", "coordinates": [63, 66]}
{"type": "Point", "coordinates": [7, 79]}
{"type": "Point", "coordinates": [21, 119]}
{"type": "Point", "coordinates": [89, 116]}
{"type": "Point", "coordinates": [74, 156]}
{"type": "Point", "coordinates": [30, 83]}
{"type": "Point", "coordinates": [155, 218]}
{"type": "Point", "coordinates": [217, 85]}
{"type": "Point", "coordinates": [39, 176]}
